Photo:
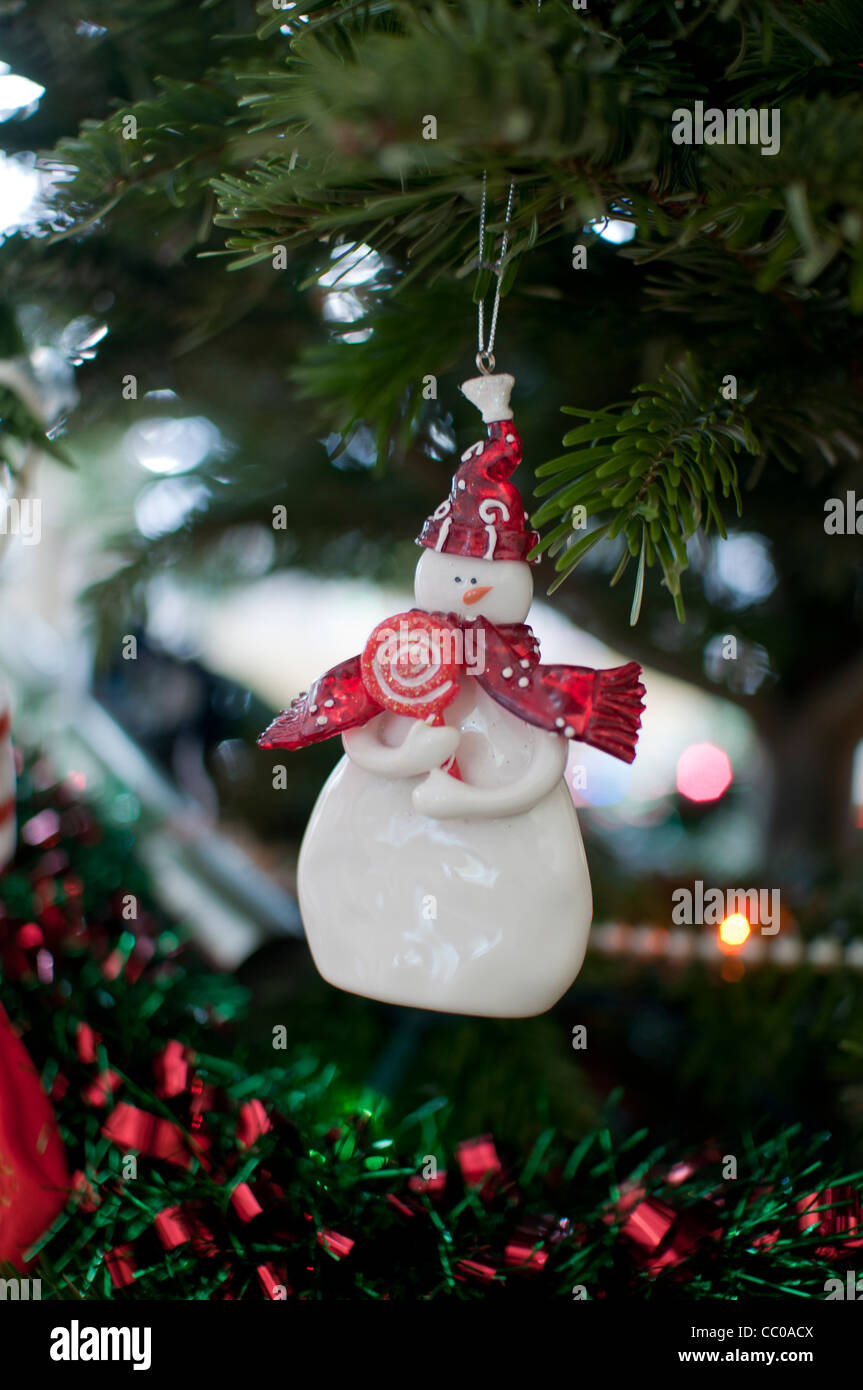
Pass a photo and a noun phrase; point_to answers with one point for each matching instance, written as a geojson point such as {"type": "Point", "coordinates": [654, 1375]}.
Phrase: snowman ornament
{"type": "Point", "coordinates": [443, 866]}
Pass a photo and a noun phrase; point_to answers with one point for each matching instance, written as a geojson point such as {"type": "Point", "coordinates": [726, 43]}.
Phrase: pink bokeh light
{"type": "Point", "coordinates": [703, 772]}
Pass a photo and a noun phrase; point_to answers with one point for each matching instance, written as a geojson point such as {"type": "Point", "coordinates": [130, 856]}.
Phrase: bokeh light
{"type": "Point", "coordinates": [355, 264]}
{"type": "Point", "coordinates": [614, 230]}
{"type": "Point", "coordinates": [734, 930]}
{"type": "Point", "coordinates": [703, 772]}
{"type": "Point", "coordinates": [18, 95]}
{"type": "Point", "coordinates": [168, 445]}
{"type": "Point", "coordinates": [740, 571]}
{"type": "Point", "coordinates": [732, 971]}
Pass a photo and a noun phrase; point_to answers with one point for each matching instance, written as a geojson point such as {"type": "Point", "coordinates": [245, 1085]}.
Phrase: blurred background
{"type": "Point", "coordinates": [162, 617]}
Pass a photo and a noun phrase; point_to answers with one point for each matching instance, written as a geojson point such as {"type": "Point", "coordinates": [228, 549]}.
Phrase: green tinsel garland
{"type": "Point", "coordinates": [275, 1183]}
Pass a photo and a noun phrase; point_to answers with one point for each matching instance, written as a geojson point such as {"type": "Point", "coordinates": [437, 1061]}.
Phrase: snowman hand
{"type": "Point", "coordinates": [438, 796]}
{"type": "Point", "coordinates": [446, 798]}
{"type": "Point", "coordinates": [424, 748]}
{"type": "Point", "coordinates": [431, 744]}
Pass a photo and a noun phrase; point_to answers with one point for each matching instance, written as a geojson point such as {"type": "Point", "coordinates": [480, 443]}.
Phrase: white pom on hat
{"type": "Point", "coordinates": [490, 394]}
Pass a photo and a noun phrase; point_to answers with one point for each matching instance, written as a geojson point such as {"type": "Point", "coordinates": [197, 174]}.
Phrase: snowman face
{"type": "Point", "coordinates": [499, 590]}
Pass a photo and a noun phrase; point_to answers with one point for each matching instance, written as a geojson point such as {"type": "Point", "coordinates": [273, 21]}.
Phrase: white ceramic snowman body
{"type": "Point", "coordinates": [466, 896]}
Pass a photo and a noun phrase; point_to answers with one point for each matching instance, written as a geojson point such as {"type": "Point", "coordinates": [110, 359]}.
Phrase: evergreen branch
{"type": "Point", "coordinates": [381, 381]}
{"type": "Point", "coordinates": [651, 472]}
{"type": "Point", "coordinates": [322, 136]}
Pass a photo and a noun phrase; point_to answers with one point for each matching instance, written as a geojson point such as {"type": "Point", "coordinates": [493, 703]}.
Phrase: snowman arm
{"type": "Point", "coordinates": [445, 798]}
{"type": "Point", "coordinates": [425, 747]}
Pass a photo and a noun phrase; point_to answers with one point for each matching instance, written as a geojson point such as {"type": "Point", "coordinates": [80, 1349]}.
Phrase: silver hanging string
{"type": "Point", "coordinates": [485, 350]}
{"type": "Point", "coordinates": [485, 353]}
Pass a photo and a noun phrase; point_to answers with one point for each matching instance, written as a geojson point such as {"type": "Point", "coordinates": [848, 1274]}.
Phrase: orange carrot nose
{"type": "Point", "coordinates": [474, 595]}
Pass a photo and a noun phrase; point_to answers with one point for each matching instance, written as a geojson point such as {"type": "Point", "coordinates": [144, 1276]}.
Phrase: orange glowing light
{"type": "Point", "coordinates": [734, 930]}
{"type": "Point", "coordinates": [732, 971]}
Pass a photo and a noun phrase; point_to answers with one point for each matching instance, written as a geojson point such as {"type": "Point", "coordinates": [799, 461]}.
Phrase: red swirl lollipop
{"type": "Point", "coordinates": [410, 664]}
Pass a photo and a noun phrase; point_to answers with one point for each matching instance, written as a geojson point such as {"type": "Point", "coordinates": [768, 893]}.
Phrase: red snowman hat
{"type": "Point", "coordinates": [484, 517]}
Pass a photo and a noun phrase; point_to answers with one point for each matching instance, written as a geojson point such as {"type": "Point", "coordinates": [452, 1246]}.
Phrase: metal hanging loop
{"type": "Point", "coordinates": [485, 360]}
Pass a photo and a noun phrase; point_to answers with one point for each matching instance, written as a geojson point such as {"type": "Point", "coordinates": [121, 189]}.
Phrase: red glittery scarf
{"type": "Point", "coordinates": [602, 708]}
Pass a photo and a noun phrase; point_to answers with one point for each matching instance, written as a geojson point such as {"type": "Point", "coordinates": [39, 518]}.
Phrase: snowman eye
{"type": "Point", "coordinates": [473, 581]}
{"type": "Point", "coordinates": [458, 579]}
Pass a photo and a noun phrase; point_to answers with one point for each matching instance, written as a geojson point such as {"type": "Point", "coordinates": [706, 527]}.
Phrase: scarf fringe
{"type": "Point", "coordinates": [615, 718]}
